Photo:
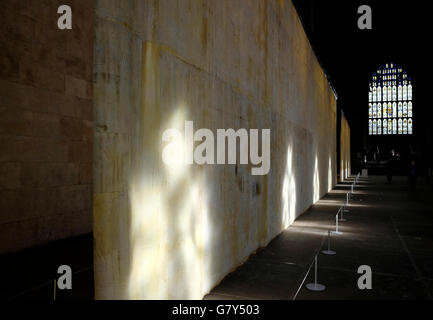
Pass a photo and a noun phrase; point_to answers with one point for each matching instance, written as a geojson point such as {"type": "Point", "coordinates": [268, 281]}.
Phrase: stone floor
{"type": "Point", "coordinates": [389, 227]}
{"type": "Point", "coordinates": [30, 274]}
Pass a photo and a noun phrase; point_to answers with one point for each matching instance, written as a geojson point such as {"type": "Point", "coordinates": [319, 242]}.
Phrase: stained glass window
{"type": "Point", "coordinates": [390, 105]}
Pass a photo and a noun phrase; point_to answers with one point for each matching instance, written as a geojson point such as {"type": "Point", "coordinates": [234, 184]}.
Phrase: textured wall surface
{"type": "Point", "coordinates": [173, 232]}
{"type": "Point", "coordinates": [46, 127]}
{"type": "Point", "coordinates": [345, 162]}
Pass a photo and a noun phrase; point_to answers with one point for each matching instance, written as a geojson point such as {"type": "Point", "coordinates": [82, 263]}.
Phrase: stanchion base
{"type": "Point", "coordinates": [345, 210]}
{"type": "Point", "coordinates": [342, 220]}
{"type": "Point", "coordinates": [315, 287]}
{"type": "Point", "coordinates": [336, 232]}
{"type": "Point", "coordinates": [329, 252]}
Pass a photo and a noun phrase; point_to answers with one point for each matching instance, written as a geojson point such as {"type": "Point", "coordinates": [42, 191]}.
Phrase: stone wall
{"type": "Point", "coordinates": [173, 232]}
{"type": "Point", "coordinates": [46, 128]}
{"type": "Point", "coordinates": [345, 162]}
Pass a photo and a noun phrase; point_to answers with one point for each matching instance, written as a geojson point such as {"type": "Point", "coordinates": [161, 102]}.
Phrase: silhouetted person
{"type": "Point", "coordinates": [390, 166]}
{"type": "Point", "coordinates": [389, 169]}
{"type": "Point", "coordinates": [378, 155]}
{"type": "Point", "coordinates": [412, 174]}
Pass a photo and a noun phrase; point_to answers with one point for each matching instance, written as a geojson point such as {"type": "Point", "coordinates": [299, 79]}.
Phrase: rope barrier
{"type": "Point", "coordinates": [315, 286]}
{"type": "Point", "coordinates": [309, 268]}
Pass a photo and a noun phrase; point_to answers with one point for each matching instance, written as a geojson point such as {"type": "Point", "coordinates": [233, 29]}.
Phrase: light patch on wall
{"type": "Point", "coordinates": [316, 181]}
{"type": "Point", "coordinates": [144, 240]}
{"type": "Point", "coordinates": [148, 222]}
{"type": "Point", "coordinates": [330, 180]}
{"type": "Point", "coordinates": [175, 149]}
{"type": "Point", "coordinates": [170, 230]}
{"type": "Point", "coordinates": [206, 244]}
{"type": "Point", "coordinates": [289, 192]}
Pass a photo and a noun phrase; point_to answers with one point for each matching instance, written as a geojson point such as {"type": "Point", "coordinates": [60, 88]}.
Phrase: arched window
{"type": "Point", "coordinates": [390, 105]}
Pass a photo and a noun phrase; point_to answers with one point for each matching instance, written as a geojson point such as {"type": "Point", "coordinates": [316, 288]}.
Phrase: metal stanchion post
{"type": "Point", "coordinates": [341, 214]}
{"type": "Point", "coordinates": [329, 252]}
{"type": "Point", "coordinates": [346, 204]}
{"type": "Point", "coordinates": [315, 286]}
{"type": "Point", "coordinates": [336, 224]}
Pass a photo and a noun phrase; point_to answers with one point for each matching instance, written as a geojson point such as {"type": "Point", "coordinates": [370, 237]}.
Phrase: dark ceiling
{"type": "Point", "coordinates": [401, 34]}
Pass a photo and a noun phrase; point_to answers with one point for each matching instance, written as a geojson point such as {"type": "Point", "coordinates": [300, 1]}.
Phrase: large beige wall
{"type": "Point", "coordinates": [174, 232]}
{"type": "Point", "coordinates": [345, 164]}
{"type": "Point", "coordinates": [46, 124]}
